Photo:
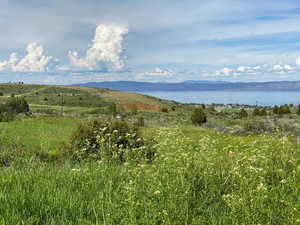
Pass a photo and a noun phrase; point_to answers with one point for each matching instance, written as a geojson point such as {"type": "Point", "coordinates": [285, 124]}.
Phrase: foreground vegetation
{"type": "Point", "coordinates": [231, 170]}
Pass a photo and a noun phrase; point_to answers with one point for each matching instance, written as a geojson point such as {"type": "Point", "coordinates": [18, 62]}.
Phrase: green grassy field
{"type": "Point", "coordinates": [198, 177]}
{"type": "Point", "coordinates": [230, 171]}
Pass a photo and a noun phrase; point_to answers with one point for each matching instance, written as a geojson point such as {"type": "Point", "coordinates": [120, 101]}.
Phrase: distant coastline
{"type": "Point", "coordinates": [134, 86]}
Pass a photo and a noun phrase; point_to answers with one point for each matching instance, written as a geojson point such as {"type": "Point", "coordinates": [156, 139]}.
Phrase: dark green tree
{"type": "Point", "coordinates": [256, 112]}
{"type": "Point", "coordinates": [243, 113]}
{"type": "Point", "coordinates": [298, 109]}
{"type": "Point", "coordinates": [263, 112]}
{"type": "Point", "coordinates": [140, 121]}
{"type": "Point", "coordinates": [276, 110]}
{"type": "Point", "coordinates": [113, 110]}
{"type": "Point", "coordinates": [259, 111]}
{"type": "Point", "coordinates": [15, 105]}
{"type": "Point", "coordinates": [284, 109]}
{"type": "Point", "coordinates": [198, 116]}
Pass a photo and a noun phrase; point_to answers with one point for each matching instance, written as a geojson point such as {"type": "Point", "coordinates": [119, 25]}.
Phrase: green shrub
{"type": "Point", "coordinates": [212, 108]}
{"type": "Point", "coordinates": [242, 113]}
{"type": "Point", "coordinates": [281, 110]}
{"type": "Point", "coordinates": [257, 126]}
{"type": "Point", "coordinates": [259, 111]}
{"type": "Point", "coordinates": [275, 109]}
{"type": "Point", "coordinates": [6, 117]}
{"type": "Point", "coordinates": [115, 140]}
{"type": "Point", "coordinates": [113, 109]}
{"type": "Point", "coordinates": [298, 109]}
{"type": "Point", "coordinates": [198, 116]}
{"type": "Point", "coordinates": [165, 110]}
{"type": "Point", "coordinates": [140, 122]}
{"type": "Point", "coordinates": [15, 105]}
{"type": "Point", "coordinates": [284, 109]}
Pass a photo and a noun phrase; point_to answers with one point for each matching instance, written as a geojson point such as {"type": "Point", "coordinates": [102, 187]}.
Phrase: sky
{"type": "Point", "coordinates": [75, 41]}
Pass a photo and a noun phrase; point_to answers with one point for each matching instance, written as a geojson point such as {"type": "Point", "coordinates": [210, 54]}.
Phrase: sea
{"type": "Point", "coordinates": [262, 98]}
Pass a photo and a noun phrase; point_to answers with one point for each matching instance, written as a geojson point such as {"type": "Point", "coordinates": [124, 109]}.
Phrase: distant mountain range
{"type": "Point", "coordinates": [192, 85]}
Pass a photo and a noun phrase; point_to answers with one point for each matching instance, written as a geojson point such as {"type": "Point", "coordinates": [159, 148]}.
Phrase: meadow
{"type": "Point", "coordinates": [200, 175]}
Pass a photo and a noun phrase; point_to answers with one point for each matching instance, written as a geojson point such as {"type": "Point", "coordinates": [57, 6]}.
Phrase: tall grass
{"type": "Point", "coordinates": [198, 177]}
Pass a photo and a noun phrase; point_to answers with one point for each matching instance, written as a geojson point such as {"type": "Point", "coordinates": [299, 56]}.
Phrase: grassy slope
{"type": "Point", "coordinates": [199, 177]}
{"type": "Point", "coordinates": [81, 97]}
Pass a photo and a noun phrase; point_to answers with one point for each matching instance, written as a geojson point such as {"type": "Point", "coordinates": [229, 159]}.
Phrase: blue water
{"type": "Point", "coordinates": [230, 97]}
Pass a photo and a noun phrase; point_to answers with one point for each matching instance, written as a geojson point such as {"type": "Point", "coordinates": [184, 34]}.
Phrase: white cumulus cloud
{"type": "Point", "coordinates": [34, 60]}
{"type": "Point", "coordinates": [255, 70]}
{"type": "Point", "coordinates": [158, 72]}
{"type": "Point", "coordinates": [105, 51]}
{"type": "Point", "coordinates": [224, 72]}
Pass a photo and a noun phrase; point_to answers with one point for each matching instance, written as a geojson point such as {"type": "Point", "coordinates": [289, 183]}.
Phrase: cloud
{"type": "Point", "coordinates": [158, 72]}
{"type": "Point", "coordinates": [254, 70]}
{"type": "Point", "coordinates": [34, 61]}
{"type": "Point", "coordinates": [104, 52]}
{"type": "Point", "coordinates": [277, 68]}
{"type": "Point", "coordinates": [224, 72]}
{"type": "Point", "coordinates": [298, 61]}
{"type": "Point", "coordinates": [281, 68]}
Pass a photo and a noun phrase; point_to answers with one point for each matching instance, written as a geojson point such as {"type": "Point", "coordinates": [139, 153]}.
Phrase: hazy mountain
{"type": "Point", "coordinates": [197, 86]}
{"type": "Point", "coordinates": [204, 82]}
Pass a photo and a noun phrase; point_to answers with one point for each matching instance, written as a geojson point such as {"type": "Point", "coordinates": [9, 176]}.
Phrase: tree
{"type": "Point", "coordinates": [256, 112]}
{"type": "Point", "coordinates": [113, 110]}
{"type": "Point", "coordinates": [243, 113]}
{"type": "Point", "coordinates": [15, 105]}
{"type": "Point", "coordinates": [198, 116]}
{"type": "Point", "coordinates": [275, 109]}
{"type": "Point", "coordinates": [259, 111]}
{"type": "Point", "coordinates": [283, 109]}
{"type": "Point", "coordinates": [140, 121]}
{"type": "Point", "coordinates": [298, 109]}
{"type": "Point", "coordinates": [165, 110]}
{"type": "Point", "coordinates": [263, 112]}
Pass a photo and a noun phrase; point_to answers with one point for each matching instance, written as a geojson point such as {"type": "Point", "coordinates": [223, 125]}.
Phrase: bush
{"type": "Point", "coordinates": [275, 109]}
{"type": "Point", "coordinates": [113, 109]}
{"type": "Point", "coordinates": [257, 127]}
{"type": "Point", "coordinates": [165, 110]}
{"type": "Point", "coordinates": [15, 105]}
{"type": "Point", "coordinates": [242, 113]}
{"type": "Point", "coordinates": [284, 109]}
{"type": "Point", "coordinates": [6, 117]}
{"type": "Point", "coordinates": [198, 117]}
{"type": "Point", "coordinates": [115, 140]}
{"type": "Point", "coordinates": [140, 122]}
{"type": "Point", "coordinates": [281, 110]}
{"type": "Point", "coordinates": [259, 111]}
{"type": "Point", "coordinates": [298, 109]}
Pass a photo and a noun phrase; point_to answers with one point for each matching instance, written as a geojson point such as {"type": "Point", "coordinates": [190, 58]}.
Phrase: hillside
{"type": "Point", "coordinates": [47, 97]}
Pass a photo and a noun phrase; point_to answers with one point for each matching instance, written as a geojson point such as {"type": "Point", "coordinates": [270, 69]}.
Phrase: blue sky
{"type": "Point", "coordinates": [74, 41]}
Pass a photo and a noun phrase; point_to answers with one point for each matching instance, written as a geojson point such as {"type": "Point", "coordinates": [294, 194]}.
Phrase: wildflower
{"type": "Point", "coordinates": [157, 192]}
{"type": "Point", "coordinates": [231, 153]}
